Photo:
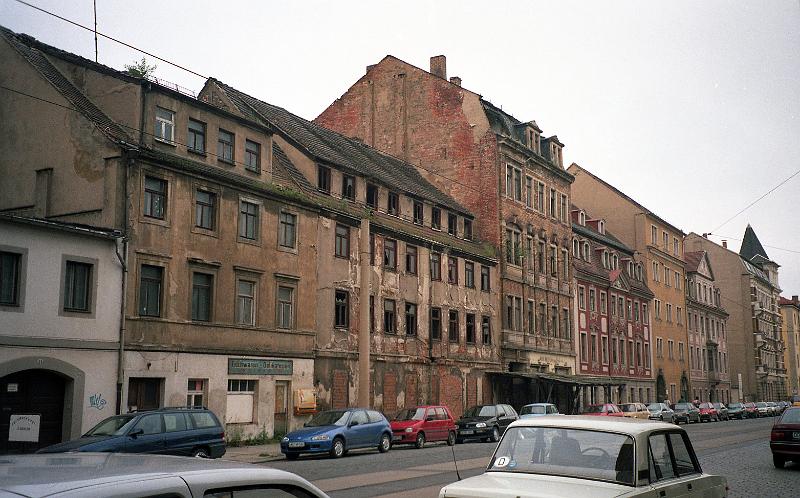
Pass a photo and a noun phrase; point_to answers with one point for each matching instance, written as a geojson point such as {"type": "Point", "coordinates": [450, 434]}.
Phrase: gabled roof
{"type": "Point", "coordinates": [751, 249]}
{"type": "Point", "coordinates": [332, 148]}
{"type": "Point", "coordinates": [692, 260]}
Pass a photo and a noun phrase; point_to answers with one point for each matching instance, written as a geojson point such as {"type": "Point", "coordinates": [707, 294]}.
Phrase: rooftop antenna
{"type": "Point", "coordinates": [94, 4]}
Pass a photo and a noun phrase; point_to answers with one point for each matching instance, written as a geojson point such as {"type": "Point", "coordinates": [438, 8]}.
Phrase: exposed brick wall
{"type": "Point", "coordinates": [450, 394]}
{"type": "Point", "coordinates": [389, 393]}
{"type": "Point", "coordinates": [411, 390]}
{"type": "Point", "coordinates": [339, 391]}
{"type": "Point", "coordinates": [472, 391]}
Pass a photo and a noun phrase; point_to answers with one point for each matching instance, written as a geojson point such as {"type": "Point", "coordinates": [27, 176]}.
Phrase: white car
{"type": "Point", "coordinates": [534, 410]}
{"type": "Point", "coordinates": [579, 456]}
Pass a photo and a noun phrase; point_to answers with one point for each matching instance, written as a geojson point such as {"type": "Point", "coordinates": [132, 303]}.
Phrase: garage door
{"type": "Point", "coordinates": [32, 392]}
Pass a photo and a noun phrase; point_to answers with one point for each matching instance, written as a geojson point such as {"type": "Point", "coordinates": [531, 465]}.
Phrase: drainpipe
{"type": "Point", "coordinates": [364, 315]}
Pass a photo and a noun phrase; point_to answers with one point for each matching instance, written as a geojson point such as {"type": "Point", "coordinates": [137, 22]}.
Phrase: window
{"type": "Point", "coordinates": [155, 197]}
{"type": "Point", "coordinates": [245, 302]}
{"type": "Point", "coordinates": [470, 324]}
{"type": "Point", "coordinates": [669, 312]}
{"type": "Point", "coordinates": [452, 270]}
{"type": "Point", "coordinates": [671, 349]}
{"type": "Point", "coordinates": [655, 271]}
{"type": "Point", "coordinates": [540, 196]}
{"type": "Point", "coordinates": [285, 307]}
{"type": "Point", "coordinates": [653, 235]}
{"type": "Point", "coordinates": [341, 317]}
{"type": "Point", "coordinates": [342, 243]}
{"type": "Point", "coordinates": [467, 229]}
{"type": "Point", "coordinates": [603, 304]}
{"type": "Point", "coordinates": [10, 282]}
{"type": "Point", "coordinates": [436, 266]}
{"type": "Point", "coordinates": [485, 282]}
{"type": "Point", "coordinates": [562, 212]}
{"type": "Point", "coordinates": [528, 191]}
{"type": "Point", "coordinates": [371, 314]}
{"type": "Point", "coordinates": [513, 247]}
{"type": "Point", "coordinates": [675, 246]}
{"type": "Point", "coordinates": [552, 204]}
{"type": "Point", "coordinates": [436, 218]}
{"type": "Point", "coordinates": [587, 255]}
{"type": "Point", "coordinates": [553, 262]}
{"type": "Point", "coordinates": [348, 187]}
{"type": "Point", "coordinates": [411, 319]}
{"type": "Point", "coordinates": [411, 259]}
{"type": "Point", "coordinates": [666, 276]}
{"type": "Point", "coordinates": [225, 142]}
{"type": "Point", "coordinates": [389, 320]}
{"type": "Point", "coordinates": [287, 229]}
{"type": "Point", "coordinates": [195, 393]}
{"type": "Point", "coordinates": [677, 280]}
{"type": "Point", "coordinates": [252, 156]}
{"type": "Point", "coordinates": [469, 274]}
{"type": "Point", "coordinates": [202, 286]}
{"type": "Point", "coordinates": [452, 224]}
{"type": "Point", "coordinates": [660, 461]}
{"type": "Point", "coordinates": [581, 297]}
{"type": "Point", "coordinates": [165, 125]}
{"type": "Point", "coordinates": [452, 326]}
{"type": "Point", "coordinates": [77, 287]}
{"type": "Point", "coordinates": [565, 263]}
{"type": "Point", "coordinates": [240, 401]}
{"type": "Point", "coordinates": [390, 254]}
{"type": "Point", "coordinates": [197, 136]}
{"type": "Point", "coordinates": [592, 302]}
{"type": "Point", "coordinates": [486, 330]}
{"type": "Point", "coordinates": [205, 209]}
{"type": "Point", "coordinates": [150, 285]}
{"type": "Point", "coordinates": [372, 196]}
{"type": "Point", "coordinates": [393, 204]}
{"type": "Point", "coordinates": [680, 351]}
{"type": "Point", "coordinates": [149, 424]}
{"type": "Point", "coordinates": [513, 183]}
{"type": "Point", "coordinates": [419, 212]}
{"type": "Point", "coordinates": [436, 324]}
{"type": "Point", "coordinates": [248, 220]}
{"type": "Point", "coordinates": [604, 349]}
{"type": "Point", "coordinates": [665, 237]}
{"type": "Point", "coordinates": [636, 311]}
{"type": "Point", "coordinates": [323, 179]}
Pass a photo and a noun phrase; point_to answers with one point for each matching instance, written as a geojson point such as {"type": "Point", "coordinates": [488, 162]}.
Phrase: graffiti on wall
{"type": "Point", "coordinates": [96, 401]}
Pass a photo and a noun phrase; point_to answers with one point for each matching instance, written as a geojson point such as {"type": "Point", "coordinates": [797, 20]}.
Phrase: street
{"type": "Point", "coordinates": [739, 450]}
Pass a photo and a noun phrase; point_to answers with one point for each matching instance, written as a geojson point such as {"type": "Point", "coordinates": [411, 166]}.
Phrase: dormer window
{"type": "Point", "coordinates": [576, 248]}
{"type": "Point", "coordinates": [586, 254]}
{"type": "Point", "coordinates": [630, 269]}
{"type": "Point", "coordinates": [614, 262]}
{"type": "Point", "coordinates": [601, 227]}
{"type": "Point", "coordinates": [555, 155]}
{"type": "Point", "coordinates": [582, 219]}
{"type": "Point", "coordinates": [534, 140]}
{"type": "Point", "coordinates": [606, 263]}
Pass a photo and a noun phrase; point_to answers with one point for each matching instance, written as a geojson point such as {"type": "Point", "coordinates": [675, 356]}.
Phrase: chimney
{"type": "Point", "coordinates": [794, 298]}
{"type": "Point", "coordinates": [455, 80]}
{"type": "Point", "coordinates": [369, 68]}
{"type": "Point", "coordinates": [41, 206]}
{"type": "Point", "coordinates": [439, 66]}
{"type": "Point", "coordinates": [725, 244]}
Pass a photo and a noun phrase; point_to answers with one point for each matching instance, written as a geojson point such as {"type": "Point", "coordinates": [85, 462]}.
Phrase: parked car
{"type": "Point", "coordinates": [423, 424]}
{"type": "Point", "coordinates": [591, 456]}
{"type": "Point", "coordinates": [338, 431]}
{"type": "Point", "coordinates": [686, 412]}
{"type": "Point", "coordinates": [634, 410]}
{"type": "Point", "coordinates": [538, 410]}
{"type": "Point", "coordinates": [737, 410]}
{"type": "Point", "coordinates": [784, 441]}
{"type": "Point", "coordinates": [774, 408]}
{"type": "Point", "coordinates": [708, 412]}
{"type": "Point", "coordinates": [722, 410]}
{"type": "Point", "coordinates": [662, 412]}
{"type": "Point", "coordinates": [795, 400]}
{"type": "Point", "coordinates": [764, 410]}
{"type": "Point", "coordinates": [751, 410]}
{"type": "Point", "coordinates": [784, 405]}
{"type": "Point", "coordinates": [603, 410]}
{"type": "Point", "coordinates": [118, 475]}
{"type": "Point", "coordinates": [485, 422]}
{"type": "Point", "coordinates": [168, 431]}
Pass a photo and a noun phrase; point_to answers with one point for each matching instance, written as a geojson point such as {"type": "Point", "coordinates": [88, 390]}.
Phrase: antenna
{"type": "Point", "coordinates": [455, 462]}
{"type": "Point", "coordinates": [94, 3]}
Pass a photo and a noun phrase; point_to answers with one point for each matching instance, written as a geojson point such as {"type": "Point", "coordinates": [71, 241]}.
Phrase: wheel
{"type": "Point", "coordinates": [386, 443]}
{"type": "Point", "coordinates": [420, 440]}
{"type": "Point", "coordinates": [292, 456]}
{"type": "Point", "coordinates": [200, 453]}
{"type": "Point", "coordinates": [451, 439]}
{"type": "Point", "coordinates": [778, 461]}
{"type": "Point", "coordinates": [337, 449]}
{"type": "Point", "coordinates": [495, 434]}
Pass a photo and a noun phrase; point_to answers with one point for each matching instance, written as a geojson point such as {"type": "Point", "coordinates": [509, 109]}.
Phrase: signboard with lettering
{"type": "Point", "coordinates": [247, 366]}
{"type": "Point", "coordinates": [24, 428]}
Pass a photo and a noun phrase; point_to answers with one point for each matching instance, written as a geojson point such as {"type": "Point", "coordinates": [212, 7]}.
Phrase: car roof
{"type": "Point", "coordinates": [540, 404]}
{"type": "Point", "coordinates": [46, 474]}
{"type": "Point", "coordinates": [632, 426]}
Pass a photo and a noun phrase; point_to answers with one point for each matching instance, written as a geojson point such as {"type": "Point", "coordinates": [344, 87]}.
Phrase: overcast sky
{"type": "Point", "coordinates": [692, 108]}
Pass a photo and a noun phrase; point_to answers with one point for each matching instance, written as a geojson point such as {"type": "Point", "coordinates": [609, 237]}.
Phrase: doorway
{"type": "Point", "coordinates": [281, 415]}
{"type": "Point", "coordinates": [32, 392]}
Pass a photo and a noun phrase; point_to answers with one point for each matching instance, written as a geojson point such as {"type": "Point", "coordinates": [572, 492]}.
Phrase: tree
{"type": "Point", "coordinates": [140, 69]}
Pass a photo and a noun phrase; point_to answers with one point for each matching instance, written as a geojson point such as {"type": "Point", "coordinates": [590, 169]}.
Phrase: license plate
{"type": "Point", "coordinates": [296, 444]}
{"type": "Point", "coordinates": [397, 438]}
{"type": "Point", "coordinates": [796, 435]}
{"type": "Point", "coordinates": [467, 432]}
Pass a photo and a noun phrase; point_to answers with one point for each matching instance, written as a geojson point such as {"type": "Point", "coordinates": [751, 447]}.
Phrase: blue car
{"type": "Point", "coordinates": [337, 431]}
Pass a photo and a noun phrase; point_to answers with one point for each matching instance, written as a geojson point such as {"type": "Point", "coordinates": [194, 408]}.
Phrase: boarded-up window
{"type": "Point", "coordinates": [240, 401]}
{"type": "Point", "coordinates": [339, 390]}
{"type": "Point", "coordinates": [389, 393]}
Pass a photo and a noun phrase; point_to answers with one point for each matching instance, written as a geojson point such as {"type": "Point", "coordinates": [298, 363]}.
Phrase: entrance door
{"type": "Point", "coordinates": [281, 416]}
{"type": "Point", "coordinates": [144, 393]}
{"type": "Point", "coordinates": [32, 392]}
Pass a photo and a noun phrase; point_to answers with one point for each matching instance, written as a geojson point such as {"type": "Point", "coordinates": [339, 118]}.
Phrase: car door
{"type": "Point", "coordinates": [360, 430]}
{"type": "Point", "coordinates": [179, 438]}
{"type": "Point", "coordinates": [432, 425]}
{"type": "Point", "coordinates": [146, 435]}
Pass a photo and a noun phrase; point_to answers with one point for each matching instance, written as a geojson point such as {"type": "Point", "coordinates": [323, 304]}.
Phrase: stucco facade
{"type": "Point", "coordinates": [790, 331]}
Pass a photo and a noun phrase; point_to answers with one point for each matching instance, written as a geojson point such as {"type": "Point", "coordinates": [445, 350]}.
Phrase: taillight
{"type": "Point", "coordinates": [222, 435]}
{"type": "Point", "coordinates": [776, 436]}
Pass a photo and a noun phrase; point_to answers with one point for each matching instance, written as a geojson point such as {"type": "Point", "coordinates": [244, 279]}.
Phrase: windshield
{"type": "Point", "coordinates": [566, 452]}
{"type": "Point", "coordinates": [411, 414]}
{"type": "Point", "coordinates": [735, 405]}
{"type": "Point", "coordinates": [532, 409]}
{"type": "Point", "coordinates": [761, 404]}
{"type": "Point", "coordinates": [480, 411]}
{"type": "Point", "coordinates": [335, 417]}
{"type": "Point", "coordinates": [706, 405]}
{"type": "Point", "coordinates": [682, 406]}
{"type": "Point", "coordinates": [629, 408]}
{"type": "Point", "coordinates": [112, 426]}
{"type": "Point", "coordinates": [595, 409]}
{"type": "Point", "coordinates": [654, 407]}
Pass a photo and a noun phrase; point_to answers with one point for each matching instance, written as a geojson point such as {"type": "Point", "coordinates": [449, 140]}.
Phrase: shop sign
{"type": "Point", "coordinates": [24, 428]}
{"type": "Point", "coordinates": [247, 366]}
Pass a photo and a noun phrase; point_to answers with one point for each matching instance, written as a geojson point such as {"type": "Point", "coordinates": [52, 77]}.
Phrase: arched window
{"type": "Point", "coordinates": [582, 219]}
{"type": "Point", "coordinates": [601, 227]}
{"type": "Point", "coordinates": [587, 256]}
{"type": "Point", "coordinates": [614, 262]}
{"type": "Point", "coordinates": [605, 260]}
{"type": "Point", "coordinates": [576, 248]}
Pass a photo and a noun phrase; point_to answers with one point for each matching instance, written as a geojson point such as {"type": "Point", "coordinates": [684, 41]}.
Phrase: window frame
{"type": "Point", "coordinates": [247, 217]}
{"type": "Point", "coordinates": [348, 187]}
{"type": "Point", "coordinates": [240, 319]}
{"type": "Point", "coordinates": [469, 274]}
{"type": "Point", "coordinates": [323, 179]}
{"type": "Point", "coordinates": [412, 259]}
{"type": "Point", "coordinates": [226, 143]}
{"type": "Point", "coordinates": [452, 318]}
{"type": "Point", "coordinates": [211, 294]}
{"type": "Point", "coordinates": [390, 317]}
{"type": "Point", "coordinates": [160, 291]}
{"type": "Point", "coordinates": [390, 256]}
{"type": "Point", "coordinates": [252, 158]}
{"type": "Point", "coordinates": [192, 136]}
{"type": "Point", "coordinates": [212, 206]}
{"type": "Point", "coordinates": [393, 204]}
{"type": "Point", "coordinates": [487, 280]}
{"type": "Point", "coordinates": [148, 205]}
{"type": "Point", "coordinates": [341, 311]}
{"type": "Point", "coordinates": [282, 231]}
{"type": "Point", "coordinates": [282, 304]}
{"type": "Point", "coordinates": [411, 318]}
{"type": "Point", "coordinates": [91, 286]}
{"type": "Point", "coordinates": [341, 245]}
{"type": "Point", "coordinates": [164, 122]}
{"type": "Point", "coordinates": [20, 255]}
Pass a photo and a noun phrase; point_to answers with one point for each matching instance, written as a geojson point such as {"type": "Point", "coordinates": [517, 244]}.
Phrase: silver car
{"type": "Point", "coordinates": [661, 412]}
{"type": "Point", "coordinates": [133, 475]}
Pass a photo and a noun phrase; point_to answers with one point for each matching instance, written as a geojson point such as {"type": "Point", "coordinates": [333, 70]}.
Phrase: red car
{"type": "Point", "coordinates": [422, 424]}
{"type": "Point", "coordinates": [708, 412]}
{"type": "Point", "coordinates": [603, 410]}
{"type": "Point", "coordinates": [750, 410]}
{"type": "Point", "coordinates": [784, 441]}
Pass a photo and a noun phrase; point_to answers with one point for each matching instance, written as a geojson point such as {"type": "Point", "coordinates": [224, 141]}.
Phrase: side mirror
{"type": "Point", "coordinates": [136, 433]}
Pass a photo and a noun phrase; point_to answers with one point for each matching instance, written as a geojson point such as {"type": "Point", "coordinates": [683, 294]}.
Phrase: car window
{"type": "Point", "coordinates": [111, 426]}
{"type": "Point", "coordinates": [149, 424]}
{"type": "Point", "coordinates": [683, 460]}
{"type": "Point", "coordinates": [374, 417]}
{"type": "Point", "coordinates": [510, 411]}
{"type": "Point", "coordinates": [267, 491]}
{"type": "Point", "coordinates": [360, 416]}
{"type": "Point", "coordinates": [440, 413]}
{"type": "Point", "coordinates": [202, 420]}
{"type": "Point", "coordinates": [174, 422]}
{"type": "Point", "coordinates": [501, 411]}
{"type": "Point", "coordinates": [552, 409]}
{"type": "Point", "coordinates": [660, 459]}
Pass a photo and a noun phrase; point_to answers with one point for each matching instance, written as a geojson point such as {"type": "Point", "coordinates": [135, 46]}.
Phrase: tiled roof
{"type": "Point", "coordinates": [23, 44]}
{"type": "Point", "coordinates": [330, 147]}
{"type": "Point", "coordinates": [693, 259]}
{"type": "Point", "coordinates": [789, 302]}
{"type": "Point", "coordinates": [751, 249]}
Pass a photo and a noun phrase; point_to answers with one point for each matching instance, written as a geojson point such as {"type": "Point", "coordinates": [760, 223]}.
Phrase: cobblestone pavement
{"type": "Point", "coordinates": [739, 450]}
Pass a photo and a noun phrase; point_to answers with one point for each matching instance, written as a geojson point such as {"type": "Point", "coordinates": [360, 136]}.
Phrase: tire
{"type": "Point", "coordinates": [386, 443]}
{"type": "Point", "coordinates": [420, 442]}
{"type": "Point", "coordinates": [200, 453]}
{"type": "Point", "coordinates": [451, 439]}
{"type": "Point", "coordinates": [495, 435]}
{"type": "Point", "coordinates": [337, 448]}
{"type": "Point", "coordinates": [778, 461]}
{"type": "Point", "coordinates": [292, 456]}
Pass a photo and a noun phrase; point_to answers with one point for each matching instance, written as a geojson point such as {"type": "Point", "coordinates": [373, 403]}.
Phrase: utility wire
{"type": "Point", "coordinates": [771, 247]}
{"type": "Point", "coordinates": [773, 189]}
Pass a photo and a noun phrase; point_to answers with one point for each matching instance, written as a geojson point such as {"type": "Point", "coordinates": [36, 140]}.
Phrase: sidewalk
{"type": "Point", "coordinates": [254, 454]}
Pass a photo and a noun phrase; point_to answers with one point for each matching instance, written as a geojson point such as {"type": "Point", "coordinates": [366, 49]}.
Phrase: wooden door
{"type": "Point", "coordinates": [281, 415]}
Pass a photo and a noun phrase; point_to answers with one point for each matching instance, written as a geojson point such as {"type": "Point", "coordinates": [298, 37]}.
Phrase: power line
{"type": "Point", "coordinates": [771, 247]}
{"type": "Point", "coordinates": [773, 189]}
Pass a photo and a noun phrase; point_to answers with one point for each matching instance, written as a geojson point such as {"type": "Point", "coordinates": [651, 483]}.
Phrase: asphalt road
{"type": "Point", "coordinates": [739, 450]}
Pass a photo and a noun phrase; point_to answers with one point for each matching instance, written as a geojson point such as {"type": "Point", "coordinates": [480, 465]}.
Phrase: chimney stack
{"type": "Point", "coordinates": [725, 244]}
{"type": "Point", "coordinates": [455, 80]}
{"type": "Point", "coordinates": [794, 298]}
{"type": "Point", "coordinates": [439, 66]}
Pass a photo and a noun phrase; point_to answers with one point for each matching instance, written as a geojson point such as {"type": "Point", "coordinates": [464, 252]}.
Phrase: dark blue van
{"type": "Point", "coordinates": [167, 431]}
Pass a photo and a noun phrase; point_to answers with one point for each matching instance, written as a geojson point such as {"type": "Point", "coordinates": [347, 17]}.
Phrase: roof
{"type": "Point", "coordinates": [751, 249]}
{"type": "Point", "coordinates": [789, 302]}
{"type": "Point", "coordinates": [626, 425]}
{"type": "Point", "coordinates": [77, 228]}
{"type": "Point", "coordinates": [333, 148]}
{"type": "Point", "coordinates": [626, 197]}
{"type": "Point", "coordinates": [692, 260]}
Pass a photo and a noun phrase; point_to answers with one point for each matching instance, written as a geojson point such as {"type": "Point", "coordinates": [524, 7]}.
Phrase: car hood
{"type": "Point", "coordinates": [75, 444]}
{"type": "Point", "coordinates": [502, 485]}
{"type": "Point", "coordinates": [307, 432]}
{"type": "Point", "coordinates": [402, 424]}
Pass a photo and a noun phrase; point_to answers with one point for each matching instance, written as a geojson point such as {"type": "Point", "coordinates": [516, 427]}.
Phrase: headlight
{"type": "Point", "coordinates": [480, 424]}
{"type": "Point", "coordinates": [409, 429]}
{"type": "Point", "coordinates": [285, 439]}
{"type": "Point", "coordinates": [321, 437]}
